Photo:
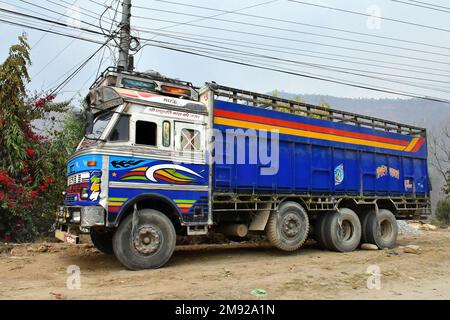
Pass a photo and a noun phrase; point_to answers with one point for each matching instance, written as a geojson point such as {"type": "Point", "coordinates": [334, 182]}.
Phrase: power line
{"type": "Point", "coordinates": [65, 48]}
{"type": "Point", "coordinates": [302, 41]}
{"type": "Point", "coordinates": [323, 67]}
{"type": "Point", "coordinates": [295, 52]}
{"type": "Point", "coordinates": [421, 6]}
{"type": "Point", "coordinates": [401, 93]}
{"type": "Point", "coordinates": [370, 16]}
{"type": "Point", "coordinates": [294, 31]}
{"type": "Point", "coordinates": [61, 24]}
{"type": "Point", "coordinates": [430, 4]}
{"type": "Point", "coordinates": [264, 63]}
{"type": "Point", "coordinates": [77, 70]}
{"type": "Point", "coordinates": [216, 15]}
{"type": "Point", "coordinates": [299, 23]}
{"type": "Point", "coordinates": [61, 14]}
{"type": "Point", "coordinates": [49, 31]}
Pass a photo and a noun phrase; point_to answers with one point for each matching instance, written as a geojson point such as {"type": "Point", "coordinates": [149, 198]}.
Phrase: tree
{"type": "Point", "coordinates": [440, 155]}
{"type": "Point", "coordinates": [30, 165]}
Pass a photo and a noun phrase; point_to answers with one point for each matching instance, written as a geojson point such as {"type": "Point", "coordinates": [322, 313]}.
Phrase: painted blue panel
{"type": "Point", "coordinates": [319, 166]}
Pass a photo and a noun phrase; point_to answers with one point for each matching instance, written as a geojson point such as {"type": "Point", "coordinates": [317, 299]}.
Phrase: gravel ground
{"type": "Point", "coordinates": [405, 229]}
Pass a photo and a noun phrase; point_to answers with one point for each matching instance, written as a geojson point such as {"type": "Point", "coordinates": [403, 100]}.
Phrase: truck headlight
{"type": "Point", "coordinates": [76, 216]}
{"type": "Point", "coordinates": [84, 193]}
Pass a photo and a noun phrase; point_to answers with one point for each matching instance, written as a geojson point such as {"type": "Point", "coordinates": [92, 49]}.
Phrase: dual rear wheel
{"type": "Point", "coordinates": [341, 231]}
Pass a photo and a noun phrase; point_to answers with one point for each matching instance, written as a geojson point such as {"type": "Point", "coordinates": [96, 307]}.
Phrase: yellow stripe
{"type": "Point", "coordinates": [170, 176]}
{"type": "Point", "coordinates": [185, 206]}
{"type": "Point", "coordinates": [116, 204]}
{"type": "Point", "coordinates": [306, 134]}
{"type": "Point", "coordinates": [139, 169]}
{"type": "Point", "coordinates": [412, 144]}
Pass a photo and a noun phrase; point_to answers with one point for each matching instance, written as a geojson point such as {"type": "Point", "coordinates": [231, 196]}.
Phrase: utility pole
{"type": "Point", "coordinates": [125, 36]}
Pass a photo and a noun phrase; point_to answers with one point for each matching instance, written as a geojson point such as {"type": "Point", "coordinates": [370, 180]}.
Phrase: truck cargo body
{"type": "Point", "coordinates": [325, 156]}
{"type": "Point", "coordinates": [321, 156]}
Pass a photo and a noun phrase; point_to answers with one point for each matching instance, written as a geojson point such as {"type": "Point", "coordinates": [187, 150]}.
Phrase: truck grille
{"type": "Point", "coordinates": [78, 178]}
{"type": "Point", "coordinates": [70, 199]}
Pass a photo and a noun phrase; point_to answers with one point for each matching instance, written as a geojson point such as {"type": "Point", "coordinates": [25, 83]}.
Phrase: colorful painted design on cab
{"type": "Point", "coordinates": [160, 173]}
{"type": "Point", "coordinates": [95, 185]}
{"type": "Point", "coordinates": [184, 206]}
{"type": "Point", "coordinates": [115, 204]}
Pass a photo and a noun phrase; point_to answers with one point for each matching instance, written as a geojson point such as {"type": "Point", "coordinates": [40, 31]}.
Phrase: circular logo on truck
{"type": "Point", "coordinates": [339, 175]}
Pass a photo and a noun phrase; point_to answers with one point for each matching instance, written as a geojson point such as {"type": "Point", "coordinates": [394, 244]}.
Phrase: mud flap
{"type": "Point", "coordinates": [67, 237]}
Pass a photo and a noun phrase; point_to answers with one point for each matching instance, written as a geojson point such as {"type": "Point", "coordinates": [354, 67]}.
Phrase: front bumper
{"type": "Point", "coordinates": [85, 217]}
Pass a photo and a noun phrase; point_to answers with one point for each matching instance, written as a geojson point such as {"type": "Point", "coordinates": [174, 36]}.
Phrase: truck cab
{"type": "Point", "coordinates": [144, 152]}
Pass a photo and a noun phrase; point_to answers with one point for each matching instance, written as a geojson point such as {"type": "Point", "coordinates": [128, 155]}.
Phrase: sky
{"type": "Point", "coordinates": [299, 35]}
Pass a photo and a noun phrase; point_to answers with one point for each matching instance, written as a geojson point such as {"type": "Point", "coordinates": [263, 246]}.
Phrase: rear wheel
{"type": "Point", "coordinates": [102, 240]}
{"type": "Point", "coordinates": [287, 229]}
{"type": "Point", "coordinates": [342, 231]}
{"type": "Point", "coordinates": [150, 246]}
{"type": "Point", "coordinates": [381, 229]}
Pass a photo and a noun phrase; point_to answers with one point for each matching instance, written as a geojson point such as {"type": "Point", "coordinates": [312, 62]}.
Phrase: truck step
{"type": "Point", "coordinates": [197, 230]}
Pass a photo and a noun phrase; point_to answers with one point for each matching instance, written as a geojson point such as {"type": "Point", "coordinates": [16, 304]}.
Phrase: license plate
{"type": "Point", "coordinates": [67, 237]}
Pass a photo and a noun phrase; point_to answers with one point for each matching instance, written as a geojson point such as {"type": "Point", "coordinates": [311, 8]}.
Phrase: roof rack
{"type": "Point", "coordinates": [150, 76]}
{"type": "Point", "coordinates": [300, 108]}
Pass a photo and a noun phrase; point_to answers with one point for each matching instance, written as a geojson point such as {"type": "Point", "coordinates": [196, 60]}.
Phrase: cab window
{"type": "Point", "coordinates": [146, 133]}
{"type": "Point", "coordinates": [190, 140]}
{"type": "Point", "coordinates": [166, 133]}
{"type": "Point", "coordinates": [121, 132]}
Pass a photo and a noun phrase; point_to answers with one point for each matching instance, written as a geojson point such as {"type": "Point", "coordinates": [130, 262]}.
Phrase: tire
{"type": "Point", "coordinates": [364, 217]}
{"type": "Point", "coordinates": [319, 231]}
{"type": "Point", "coordinates": [102, 240]}
{"type": "Point", "coordinates": [342, 231]}
{"type": "Point", "coordinates": [381, 229]}
{"type": "Point", "coordinates": [151, 247]}
{"type": "Point", "coordinates": [287, 229]}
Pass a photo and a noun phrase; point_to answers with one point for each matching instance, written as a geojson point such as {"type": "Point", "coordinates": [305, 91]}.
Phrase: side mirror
{"type": "Point", "coordinates": [89, 122]}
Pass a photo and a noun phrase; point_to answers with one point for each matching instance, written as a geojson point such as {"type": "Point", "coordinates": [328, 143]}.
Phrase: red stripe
{"type": "Point", "coordinates": [129, 95]}
{"type": "Point", "coordinates": [418, 145]}
{"type": "Point", "coordinates": [185, 210]}
{"type": "Point", "coordinates": [113, 208]}
{"type": "Point", "coordinates": [133, 173]}
{"type": "Point", "coordinates": [305, 127]}
{"type": "Point", "coordinates": [159, 177]}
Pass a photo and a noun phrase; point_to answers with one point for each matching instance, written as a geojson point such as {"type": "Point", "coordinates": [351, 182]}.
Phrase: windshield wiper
{"type": "Point", "coordinates": [94, 139]}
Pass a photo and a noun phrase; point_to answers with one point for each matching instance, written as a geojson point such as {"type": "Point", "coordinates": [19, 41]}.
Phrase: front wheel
{"type": "Point", "coordinates": [150, 246]}
{"type": "Point", "coordinates": [287, 229]}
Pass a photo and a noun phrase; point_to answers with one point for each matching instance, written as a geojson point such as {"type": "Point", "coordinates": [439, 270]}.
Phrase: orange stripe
{"type": "Point", "coordinates": [306, 134]}
{"type": "Point", "coordinates": [307, 127]}
{"type": "Point", "coordinates": [168, 175]}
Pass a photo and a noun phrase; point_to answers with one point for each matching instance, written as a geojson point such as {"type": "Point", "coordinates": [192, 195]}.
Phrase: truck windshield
{"type": "Point", "coordinates": [100, 125]}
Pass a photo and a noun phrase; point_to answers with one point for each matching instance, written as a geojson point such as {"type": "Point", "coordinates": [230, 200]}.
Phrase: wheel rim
{"type": "Point", "coordinates": [346, 231]}
{"type": "Point", "coordinates": [386, 230]}
{"type": "Point", "coordinates": [147, 240]}
{"type": "Point", "coordinates": [291, 225]}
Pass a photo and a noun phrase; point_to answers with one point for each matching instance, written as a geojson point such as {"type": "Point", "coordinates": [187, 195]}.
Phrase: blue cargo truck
{"type": "Point", "coordinates": [162, 158]}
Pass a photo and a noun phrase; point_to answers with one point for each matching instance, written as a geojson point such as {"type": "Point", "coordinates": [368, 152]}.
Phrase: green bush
{"type": "Point", "coordinates": [443, 211]}
{"type": "Point", "coordinates": [32, 167]}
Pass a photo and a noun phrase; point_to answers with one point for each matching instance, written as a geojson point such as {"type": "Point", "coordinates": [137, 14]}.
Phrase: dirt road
{"type": "Point", "coordinates": [232, 272]}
